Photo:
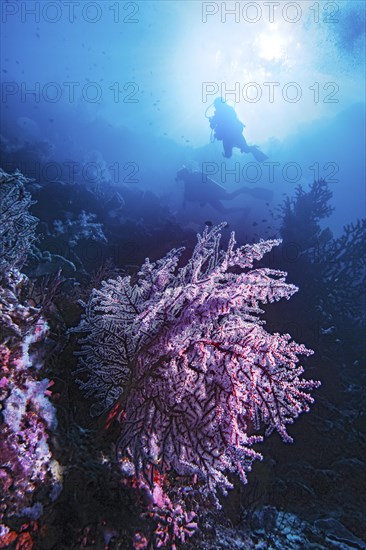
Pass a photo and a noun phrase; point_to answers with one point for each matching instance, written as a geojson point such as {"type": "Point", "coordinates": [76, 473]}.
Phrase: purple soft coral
{"type": "Point", "coordinates": [25, 459]}
{"type": "Point", "coordinates": [185, 352]}
{"type": "Point", "coordinates": [26, 464]}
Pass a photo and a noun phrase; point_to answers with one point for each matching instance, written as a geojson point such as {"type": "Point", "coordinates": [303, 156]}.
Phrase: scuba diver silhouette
{"type": "Point", "coordinates": [228, 129]}
{"type": "Point", "coordinates": [200, 189]}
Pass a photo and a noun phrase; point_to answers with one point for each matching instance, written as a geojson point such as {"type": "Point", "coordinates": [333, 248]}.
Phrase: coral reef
{"type": "Point", "coordinates": [187, 373]}
{"type": "Point", "coordinates": [17, 225]}
{"type": "Point", "coordinates": [185, 353]}
{"type": "Point", "coordinates": [344, 274]}
{"type": "Point", "coordinates": [336, 266]}
{"type": "Point", "coordinates": [83, 227]}
{"type": "Point", "coordinates": [25, 458]}
{"type": "Point", "coordinates": [28, 474]}
{"type": "Point", "coordinates": [301, 215]}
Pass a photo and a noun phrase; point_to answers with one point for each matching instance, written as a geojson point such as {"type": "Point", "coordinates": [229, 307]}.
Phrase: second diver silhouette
{"type": "Point", "coordinates": [199, 188]}
{"type": "Point", "coordinates": [229, 129]}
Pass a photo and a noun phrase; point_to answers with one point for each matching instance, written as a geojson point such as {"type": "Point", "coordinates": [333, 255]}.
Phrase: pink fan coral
{"type": "Point", "coordinates": [187, 355]}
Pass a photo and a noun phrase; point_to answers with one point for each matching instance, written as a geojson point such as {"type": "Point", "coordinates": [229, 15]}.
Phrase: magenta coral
{"type": "Point", "coordinates": [187, 355]}
{"type": "Point", "coordinates": [25, 459]}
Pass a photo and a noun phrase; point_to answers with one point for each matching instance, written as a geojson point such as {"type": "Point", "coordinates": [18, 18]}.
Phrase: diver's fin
{"type": "Point", "coordinates": [258, 193]}
{"type": "Point", "coordinates": [257, 154]}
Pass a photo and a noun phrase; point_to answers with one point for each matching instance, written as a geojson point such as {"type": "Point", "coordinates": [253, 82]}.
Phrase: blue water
{"type": "Point", "coordinates": [126, 86]}
{"type": "Point", "coordinates": [104, 102]}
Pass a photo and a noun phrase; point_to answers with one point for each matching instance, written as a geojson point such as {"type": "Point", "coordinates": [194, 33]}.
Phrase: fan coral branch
{"type": "Point", "coordinates": [187, 355]}
{"type": "Point", "coordinates": [17, 226]}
